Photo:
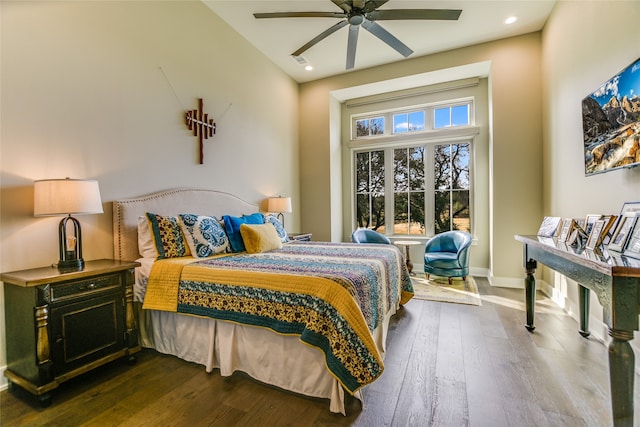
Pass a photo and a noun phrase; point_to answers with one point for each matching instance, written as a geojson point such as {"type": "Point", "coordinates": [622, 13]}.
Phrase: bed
{"type": "Point", "coordinates": [302, 316]}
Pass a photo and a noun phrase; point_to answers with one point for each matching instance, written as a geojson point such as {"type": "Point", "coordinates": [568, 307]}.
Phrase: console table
{"type": "Point", "coordinates": [616, 282]}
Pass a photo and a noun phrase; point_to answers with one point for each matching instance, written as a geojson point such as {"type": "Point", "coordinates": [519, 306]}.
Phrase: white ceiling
{"type": "Point", "coordinates": [277, 38]}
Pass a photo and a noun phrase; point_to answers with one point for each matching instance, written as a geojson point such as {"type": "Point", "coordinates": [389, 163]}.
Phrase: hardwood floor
{"type": "Point", "coordinates": [446, 365]}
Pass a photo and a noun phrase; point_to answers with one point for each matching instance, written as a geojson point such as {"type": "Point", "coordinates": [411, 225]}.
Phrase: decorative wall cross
{"type": "Point", "coordinates": [201, 125]}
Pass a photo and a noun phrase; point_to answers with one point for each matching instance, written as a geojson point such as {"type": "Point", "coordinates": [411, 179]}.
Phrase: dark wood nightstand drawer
{"type": "Point", "coordinates": [85, 288]}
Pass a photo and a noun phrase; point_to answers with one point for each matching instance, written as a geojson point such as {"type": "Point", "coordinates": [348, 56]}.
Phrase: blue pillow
{"type": "Point", "coordinates": [232, 227]}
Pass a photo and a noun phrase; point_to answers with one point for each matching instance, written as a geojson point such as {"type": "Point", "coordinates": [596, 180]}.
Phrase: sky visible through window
{"type": "Point", "coordinates": [451, 116]}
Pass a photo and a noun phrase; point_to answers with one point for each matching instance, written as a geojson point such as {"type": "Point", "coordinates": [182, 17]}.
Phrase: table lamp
{"type": "Point", "coordinates": [54, 197]}
{"type": "Point", "coordinates": [279, 205]}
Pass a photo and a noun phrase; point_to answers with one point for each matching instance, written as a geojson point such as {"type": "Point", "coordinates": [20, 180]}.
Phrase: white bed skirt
{"type": "Point", "coordinates": [280, 360]}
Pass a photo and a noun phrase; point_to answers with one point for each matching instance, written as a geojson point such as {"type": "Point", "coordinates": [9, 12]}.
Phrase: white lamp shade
{"type": "Point", "coordinates": [279, 204]}
{"type": "Point", "coordinates": [66, 197]}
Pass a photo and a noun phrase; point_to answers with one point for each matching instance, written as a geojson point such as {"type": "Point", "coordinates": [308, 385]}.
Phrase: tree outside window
{"type": "Point", "coordinates": [369, 127]}
{"type": "Point", "coordinates": [451, 176]}
{"type": "Point", "coordinates": [370, 181]}
{"type": "Point", "coordinates": [409, 191]}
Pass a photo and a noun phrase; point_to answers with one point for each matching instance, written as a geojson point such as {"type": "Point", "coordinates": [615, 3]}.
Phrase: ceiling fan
{"type": "Point", "coordinates": [364, 13]}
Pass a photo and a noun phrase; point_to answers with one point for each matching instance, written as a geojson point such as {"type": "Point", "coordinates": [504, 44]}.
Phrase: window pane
{"type": "Point", "coordinates": [416, 168]}
{"type": "Point", "coordinates": [362, 128]}
{"type": "Point", "coordinates": [442, 217]}
{"type": "Point", "coordinates": [400, 170]}
{"type": "Point", "coordinates": [400, 123]}
{"type": "Point", "coordinates": [362, 172]}
{"type": "Point", "coordinates": [442, 167]}
{"type": "Point", "coordinates": [416, 121]}
{"type": "Point", "coordinates": [377, 172]}
{"type": "Point", "coordinates": [452, 182]}
{"type": "Point", "coordinates": [376, 126]}
{"type": "Point", "coordinates": [416, 213]}
{"type": "Point", "coordinates": [461, 219]}
{"type": "Point", "coordinates": [442, 117]}
{"type": "Point", "coordinates": [401, 217]}
{"type": "Point", "coordinates": [377, 213]}
{"type": "Point", "coordinates": [363, 210]}
{"type": "Point", "coordinates": [460, 115]}
{"type": "Point", "coordinates": [370, 177]}
{"type": "Point", "coordinates": [369, 127]}
{"type": "Point", "coordinates": [460, 166]}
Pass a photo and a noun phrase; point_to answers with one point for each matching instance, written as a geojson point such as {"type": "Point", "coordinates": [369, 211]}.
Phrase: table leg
{"type": "Point", "coordinates": [621, 373]}
{"type": "Point", "coordinates": [530, 293]}
{"type": "Point", "coordinates": [408, 259]}
{"type": "Point", "coordinates": [584, 296]}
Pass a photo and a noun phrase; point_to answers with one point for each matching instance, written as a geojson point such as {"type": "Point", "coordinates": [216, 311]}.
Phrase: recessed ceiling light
{"type": "Point", "coordinates": [510, 20]}
{"type": "Point", "coordinates": [308, 68]}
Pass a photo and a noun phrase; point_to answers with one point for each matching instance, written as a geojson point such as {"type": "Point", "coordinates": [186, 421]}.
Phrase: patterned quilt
{"type": "Point", "coordinates": [331, 295]}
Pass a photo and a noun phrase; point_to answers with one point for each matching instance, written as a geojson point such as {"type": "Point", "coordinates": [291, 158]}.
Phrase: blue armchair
{"type": "Point", "coordinates": [365, 235]}
{"type": "Point", "coordinates": [447, 255]}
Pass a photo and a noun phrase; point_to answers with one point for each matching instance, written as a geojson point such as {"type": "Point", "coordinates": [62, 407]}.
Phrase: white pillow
{"type": "Point", "coordinates": [146, 245]}
{"type": "Point", "coordinates": [204, 234]}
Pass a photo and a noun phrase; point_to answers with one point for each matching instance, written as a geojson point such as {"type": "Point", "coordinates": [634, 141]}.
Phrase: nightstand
{"type": "Point", "coordinates": [61, 325]}
{"type": "Point", "coordinates": [300, 237]}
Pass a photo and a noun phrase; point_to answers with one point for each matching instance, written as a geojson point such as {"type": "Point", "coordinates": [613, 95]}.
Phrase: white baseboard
{"type": "Point", "coordinates": [4, 384]}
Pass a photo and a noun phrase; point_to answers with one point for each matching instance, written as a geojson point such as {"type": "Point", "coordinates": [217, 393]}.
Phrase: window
{"type": "Point", "coordinates": [442, 116]}
{"type": "Point", "coordinates": [410, 186]}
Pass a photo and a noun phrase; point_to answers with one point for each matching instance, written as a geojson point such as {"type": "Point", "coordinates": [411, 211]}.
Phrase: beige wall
{"type": "Point", "coordinates": [584, 44]}
{"type": "Point", "coordinates": [98, 90]}
{"type": "Point", "coordinates": [514, 201]}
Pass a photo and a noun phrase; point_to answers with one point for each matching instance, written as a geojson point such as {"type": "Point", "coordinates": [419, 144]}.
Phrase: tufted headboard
{"type": "Point", "coordinates": [169, 202]}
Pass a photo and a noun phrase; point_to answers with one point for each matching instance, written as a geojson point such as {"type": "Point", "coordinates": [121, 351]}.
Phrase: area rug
{"type": "Point", "coordinates": [439, 289]}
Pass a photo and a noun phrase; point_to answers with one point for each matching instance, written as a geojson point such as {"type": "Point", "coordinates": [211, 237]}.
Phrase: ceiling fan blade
{"type": "Point", "coordinates": [372, 5]}
{"type": "Point", "coordinates": [351, 46]}
{"type": "Point", "coordinates": [300, 15]}
{"type": "Point", "coordinates": [386, 37]}
{"type": "Point", "coordinates": [321, 36]}
{"type": "Point", "coordinates": [343, 4]}
{"type": "Point", "coordinates": [359, 4]}
{"type": "Point", "coordinates": [433, 14]}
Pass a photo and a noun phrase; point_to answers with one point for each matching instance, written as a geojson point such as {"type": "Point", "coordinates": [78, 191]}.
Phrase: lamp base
{"type": "Point", "coordinates": [66, 266]}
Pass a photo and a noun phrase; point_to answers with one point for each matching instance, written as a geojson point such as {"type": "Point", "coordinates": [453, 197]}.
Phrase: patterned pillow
{"type": "Point", "coordinates": [204, 234]}
{"type": "Point", "coordinates": [282, 233]}
{"type": "Point", "coordinates": [168, 237]}
{"type": "Point", "coordinates": [232, 227]}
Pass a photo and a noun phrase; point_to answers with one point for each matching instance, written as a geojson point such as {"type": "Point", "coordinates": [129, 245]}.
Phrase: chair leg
{"type": "Point", "coordinates": [464, 277]}
{"type": "Point", "coordinates": [427, 274]}
{"type": "Point", "coordinates": [450, 280]}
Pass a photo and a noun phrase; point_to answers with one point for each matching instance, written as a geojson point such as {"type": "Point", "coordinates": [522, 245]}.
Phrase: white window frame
{"type": "Point", "coordinates": [428, 138]}
{"type": "Point", "coordinates": [429, 125]}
